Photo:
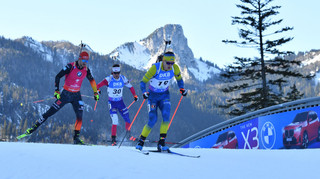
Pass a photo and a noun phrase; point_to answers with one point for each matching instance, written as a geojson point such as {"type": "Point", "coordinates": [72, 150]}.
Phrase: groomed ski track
{"type": "Point", "coordinates": [37, 160]}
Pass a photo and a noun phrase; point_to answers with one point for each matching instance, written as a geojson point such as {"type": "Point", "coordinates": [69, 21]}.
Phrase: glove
{"type": "Point", "coordinates": [146, 95]}
{"type": "Point", "coordinates": [96, 96]}
{"type": "Point", "coordinates": [99, 91]}
{"type": "Point", "coordinates": [57, 94]}
{"type": "Point", "coordinates": [183, 92]}
{"type": "Point", "coordinates": [136, 98]}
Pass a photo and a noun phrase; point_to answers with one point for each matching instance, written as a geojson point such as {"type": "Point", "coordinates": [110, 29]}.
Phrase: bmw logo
{"type": "Point", "coordinates": [79, 73]}
{"type": "Point", "coordinates": [268, 135]}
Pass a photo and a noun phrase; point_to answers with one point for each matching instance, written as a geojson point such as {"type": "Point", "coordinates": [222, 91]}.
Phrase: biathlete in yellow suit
{"type": "Point", "coordinates": [159, 76]}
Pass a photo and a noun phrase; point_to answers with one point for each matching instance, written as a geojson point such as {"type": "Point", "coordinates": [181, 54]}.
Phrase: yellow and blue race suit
{"type": "Point", "coordinates": [159, 81]}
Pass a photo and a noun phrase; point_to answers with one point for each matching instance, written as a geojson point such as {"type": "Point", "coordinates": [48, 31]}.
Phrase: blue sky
{"type": "Point", "coordinates": [105, 25]}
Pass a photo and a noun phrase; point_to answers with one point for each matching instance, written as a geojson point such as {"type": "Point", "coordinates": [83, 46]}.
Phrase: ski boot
{"type": "Point", "coordinates": [76, 139]}
{"type": "Point", "coordinates": [32, 129]}
{"type": "Point", "coordinates": [113, 140]}
{"type": "Point", "coordinates": [29, 131]}
{"type": "Point", "coordinates": [161, 143]}
{"type": "Point", "coordinates": [140, 144]}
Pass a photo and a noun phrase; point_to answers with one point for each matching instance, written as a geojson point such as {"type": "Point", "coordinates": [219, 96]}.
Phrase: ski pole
{"type": "Point", "coordinates": [136, 114]}
{"type": "Point", "coordinates": [43, 100]}
{"type": "Point", "coordinates": [175, 112]}
{"type": "Point", "coordinates": [131, 104]}
{"type": "Point", "coordinates": [123, 139]}
{"type": "Point", "coordinates": [86, 96]}
{"type": "Point", "coordinates": [132, 122]}
{"type": "Point", "coordinates": [95, 106]}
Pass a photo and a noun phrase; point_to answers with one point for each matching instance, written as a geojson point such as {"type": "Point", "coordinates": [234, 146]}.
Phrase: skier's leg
{"type": "Point", "coordinates": [115, 121]}
{"type": "Point", "coordinates": [124, 112]}
{"type": "Point", "coordinates": [77, 105]}
{"type": "Point", "coordinates": [55, 107]}
{"type": "Point", "coordinates": [153, 116]}
{"type": "Point", "coordinates": [152, 108]}
{"type": "Point", "coordinates": [165, 107]}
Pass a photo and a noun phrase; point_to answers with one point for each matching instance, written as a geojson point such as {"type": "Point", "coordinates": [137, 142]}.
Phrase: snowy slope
{"type": "Point", "coordinates": [204, 71]}
{"type": "Point", "coordinates": [35, 160]}
{"type": "Point", "coordinates": [59, 52]}
{"type": "Point", "coordinates": [313, 57]}
{"type": "Point", "coordinates": [39, 48]}
{"type": "Point", "coordinates": [133, 54]}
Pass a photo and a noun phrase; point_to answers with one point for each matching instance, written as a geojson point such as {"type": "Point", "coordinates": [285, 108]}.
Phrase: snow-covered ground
{"type": "Point", "coordinates": [59, 161]}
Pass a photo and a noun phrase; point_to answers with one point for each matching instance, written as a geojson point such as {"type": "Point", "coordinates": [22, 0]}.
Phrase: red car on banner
{"type": "Point", "coordinates": [227, 140]}
{"type": "Point", "coordinates": [304, 128]}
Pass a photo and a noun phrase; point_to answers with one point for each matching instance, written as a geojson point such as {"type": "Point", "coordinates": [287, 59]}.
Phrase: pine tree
{"type": "Point", "coordinates": [25, 125]}
{"type": "Point", "coordinates": [294, 94]}
{"type": "Point", "coordinates": [4, 129]}
{"type": "Point", "coordinates": [249, 75]}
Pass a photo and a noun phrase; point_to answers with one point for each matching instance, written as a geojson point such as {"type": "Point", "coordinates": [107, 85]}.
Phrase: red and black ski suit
{"type": "Point", "coordinates": [71, 93]}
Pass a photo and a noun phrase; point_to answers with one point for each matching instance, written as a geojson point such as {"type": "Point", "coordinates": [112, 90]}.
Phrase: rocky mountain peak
{"type": "Point", "coordinates": [144, 53]}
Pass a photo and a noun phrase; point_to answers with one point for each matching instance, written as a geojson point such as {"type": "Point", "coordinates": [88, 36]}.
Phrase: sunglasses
{"type": "Point", "coordinates": [84, 61]}
{"type": "Point", "coordinates": [116, 73]}
{"type": "Point", "coordinates": [170, 63]}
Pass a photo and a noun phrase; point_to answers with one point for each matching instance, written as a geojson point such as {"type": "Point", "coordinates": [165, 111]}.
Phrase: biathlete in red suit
{"type": "Point", "coordinates": [75, 73]}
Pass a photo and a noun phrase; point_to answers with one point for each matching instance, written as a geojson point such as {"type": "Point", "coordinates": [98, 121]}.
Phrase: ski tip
{"type": "Point", "coordinates": [21, 136]}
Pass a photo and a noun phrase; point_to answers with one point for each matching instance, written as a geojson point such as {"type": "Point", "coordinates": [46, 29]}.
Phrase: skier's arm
{"type": "Point", "coordinates": [133, 91]}
{"type": "Point", "coordinates": [177, 75]}
{"type": "Point", "coordinates": [104, 82]}
{"type": "Point", "coordinates": [150, 73]}
{"type": "Point", "coordinates": [92, 81]}
{"type": "Point", "coordinates": [129, 85]}
{"type": "Point", "coordinates": [64, 71]}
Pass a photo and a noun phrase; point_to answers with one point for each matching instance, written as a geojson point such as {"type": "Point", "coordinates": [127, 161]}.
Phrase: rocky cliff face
{"type": "Point", "coordinates": [142, 54]}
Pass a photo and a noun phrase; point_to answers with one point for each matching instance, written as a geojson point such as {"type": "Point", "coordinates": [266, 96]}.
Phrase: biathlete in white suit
{"type": "Point", "coordinates": [115, 84]}
{"type": "Point", "coordinates": [159, 75]}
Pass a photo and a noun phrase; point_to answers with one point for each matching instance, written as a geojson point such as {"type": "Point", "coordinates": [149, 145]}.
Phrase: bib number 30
{"type": "Point", "coordinates": [116, 91]}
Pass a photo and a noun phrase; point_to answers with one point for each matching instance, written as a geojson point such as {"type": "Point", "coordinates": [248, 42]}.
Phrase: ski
{"type": "Point", "coordinates": [133, 139]}
{"type": "Point", "coordinates": [22, 136]}
{"type": "Point", "coordinates": [175, 153]}
{"type": "Point", "coordinates": [85, 144]}
{"type": "Point", "coordinates": [155, 141]}
{"type": "Point", "coordinates": [145, 152]}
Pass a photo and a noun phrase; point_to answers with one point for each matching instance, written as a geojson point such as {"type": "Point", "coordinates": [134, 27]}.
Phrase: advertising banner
{"type": "Point", "coordinates": [293, 129]}
{"type": "Point", "coordinates": [243, 136]}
